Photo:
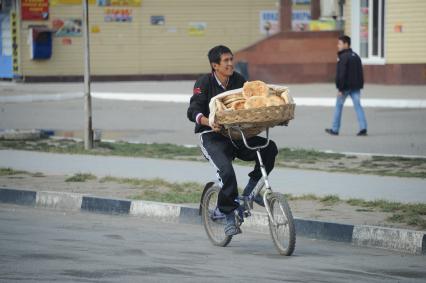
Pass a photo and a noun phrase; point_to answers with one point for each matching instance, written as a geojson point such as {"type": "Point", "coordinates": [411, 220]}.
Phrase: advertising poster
{"type": "Point", "coordinates": [118, 15]}
{"type": "Point", "coordinates": [70, 2]}
{"type": "Point", "coordinates": [301, 15]}
{"type": "Point", "coordinates": [67, 27]}
{"type": "Point", "coordinates": [300, 20]}
{"type": "Point", "coordinates": [35, 10]}
{"type": "Point", "coordinates": [131, 3]}
{"type": "Point", "coordinates": [269, 22]}
{"type": "Point", "coordinates": [318, 25]}
{"type": "Point", "coordinates": [197, 28]}
{"type": "Point", "coordinates": [363, 32]}
{"type": "Point", "coordinates": [158, 20]}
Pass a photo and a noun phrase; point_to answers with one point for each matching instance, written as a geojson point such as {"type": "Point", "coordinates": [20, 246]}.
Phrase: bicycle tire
{"type": "Point", "coordinates": [280, 211]}
{"type": "Point", "coordinates": [214, 228]}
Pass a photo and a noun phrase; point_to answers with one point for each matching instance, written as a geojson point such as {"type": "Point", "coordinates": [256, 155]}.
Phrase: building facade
{"type": "Point", "coordinates": [128, 38]}
{"type": "Point", "coordinates": [155, 39]}
{"type": "Point", "coordinates": [390, 37]}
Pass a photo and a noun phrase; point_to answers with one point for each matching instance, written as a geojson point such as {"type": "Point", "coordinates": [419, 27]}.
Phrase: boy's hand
{"type": "Point", "coordinates": [215, 127]}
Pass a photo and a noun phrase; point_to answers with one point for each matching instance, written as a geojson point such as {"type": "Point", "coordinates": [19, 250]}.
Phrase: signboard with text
{"type": "Point", "coordinates": [269, 22]}
{"type": "Point", "coordinates": [35, 10]}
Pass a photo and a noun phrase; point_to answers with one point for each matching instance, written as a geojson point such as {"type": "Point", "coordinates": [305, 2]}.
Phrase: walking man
{"type": "Point", "coordinates": [349, 82]}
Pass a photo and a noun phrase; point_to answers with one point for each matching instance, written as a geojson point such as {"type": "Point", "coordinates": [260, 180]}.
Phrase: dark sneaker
{"type": "Point", "coordinates": [331, 132]}
{"type": "Point", "coordinates": [232, 230]}
{"type": "Point", "coordinates": [252, 184]}
{"type": "Point", "coordinates": [231, 227]}
{"type": "Point", "coordinates": [362, 133]}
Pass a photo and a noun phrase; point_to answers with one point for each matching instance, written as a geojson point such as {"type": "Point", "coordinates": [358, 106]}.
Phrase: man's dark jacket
{"type": "Point", "coordinates": [205, 88]}
{"type": "Point", "coordinates": [349, 75]}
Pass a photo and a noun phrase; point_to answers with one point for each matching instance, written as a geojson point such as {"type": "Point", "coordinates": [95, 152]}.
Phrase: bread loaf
{"type": "Point", "coordinates": [273, 100]}
{"type": "Point", "coordinates": [255, 88]}
{"type": "Point", "coordinates": [256, 102]}
{"type": "Point", "coordinates": [238, 105]}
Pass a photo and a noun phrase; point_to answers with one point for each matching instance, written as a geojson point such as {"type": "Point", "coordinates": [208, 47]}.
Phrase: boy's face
{"type": "Point", "coordinates": [226, 66]}
{"type": "Point", "coordinates": [341, 45]}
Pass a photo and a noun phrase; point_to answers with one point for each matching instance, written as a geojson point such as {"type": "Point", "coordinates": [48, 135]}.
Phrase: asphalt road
{"type": "Point", "coordinates": [391, 131]}
{"type": "Point", "coordinates": [38, 245]}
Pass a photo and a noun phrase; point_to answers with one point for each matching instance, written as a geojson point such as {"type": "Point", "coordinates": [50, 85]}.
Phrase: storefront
{"type": "Point", "coordinates": [389, 35]}
{"type": "Point", "coordinates": [134, 39]}
{"type": "Point", "coordinates": [6, 68]}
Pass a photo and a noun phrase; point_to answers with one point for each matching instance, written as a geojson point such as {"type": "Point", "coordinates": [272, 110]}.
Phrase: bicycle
{"type": "Point", "coordinates": [280, 218]}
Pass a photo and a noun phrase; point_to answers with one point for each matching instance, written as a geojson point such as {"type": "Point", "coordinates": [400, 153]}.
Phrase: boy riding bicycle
{"type": "Point", "coordinates": [220, 150]}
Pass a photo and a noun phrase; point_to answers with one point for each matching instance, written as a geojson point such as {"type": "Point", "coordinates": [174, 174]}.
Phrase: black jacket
{"type": "Point", "coordinates": [349, 75]}
{"type": "Point", "coordinates": [205, 88]}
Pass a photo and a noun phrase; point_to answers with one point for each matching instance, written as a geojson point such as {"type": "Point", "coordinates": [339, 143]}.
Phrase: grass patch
{"type": "Point", "coordinates": [382, 205]}
{"type": "Point", "coordinates": [38, 175]}
{"type": "Point", "coordinates": [411, 214]}
{"type": "Point", "coordinates": [330, 199]}
{"type": "Point", "coordinates": [302, 197]}
{"type": "Point", "coordinates": [305, 155]}
{"type": "Point", "coordinates": [364, 210]}
{"type": "Point", "coordinates": [161, 190]}
{"type": "Point", "coordinates": [80, 177]}
{"type": "Point", "coordinates": [10, 172]}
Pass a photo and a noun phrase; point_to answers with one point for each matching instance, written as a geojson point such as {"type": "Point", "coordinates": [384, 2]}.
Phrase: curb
{"type": "Point", "coordinates": [401, 240]}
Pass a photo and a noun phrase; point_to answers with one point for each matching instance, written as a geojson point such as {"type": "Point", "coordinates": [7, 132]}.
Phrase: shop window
{"type": "Point", "coordinates": [371, 29]}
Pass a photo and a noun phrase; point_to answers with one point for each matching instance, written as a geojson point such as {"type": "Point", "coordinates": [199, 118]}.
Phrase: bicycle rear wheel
{"type": "Point", "coordinates": [213, 225]}
{"type": "Point", "coordinates": [282, 228]}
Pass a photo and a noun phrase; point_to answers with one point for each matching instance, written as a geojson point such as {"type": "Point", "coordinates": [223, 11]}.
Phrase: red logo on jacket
{"type": "Point", "coordinates": [197, 90]}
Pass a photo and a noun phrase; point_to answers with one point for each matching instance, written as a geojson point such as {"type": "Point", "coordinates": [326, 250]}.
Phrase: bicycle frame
{"type": "Point", "coordinates": [265, 179]}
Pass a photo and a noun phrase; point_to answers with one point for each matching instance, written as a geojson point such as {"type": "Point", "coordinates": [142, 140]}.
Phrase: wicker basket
{"type": "Point", "coordinates": [251, 121]}
{"type": "Point", "coordinates": [254, 121]}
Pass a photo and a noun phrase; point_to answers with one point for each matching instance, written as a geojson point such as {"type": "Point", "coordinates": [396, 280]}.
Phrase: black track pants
{"type": "Point", "coordinates": [220, 151]}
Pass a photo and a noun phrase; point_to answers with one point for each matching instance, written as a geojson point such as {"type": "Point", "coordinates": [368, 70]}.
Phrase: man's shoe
{"type": "Point", "coordinates": [362, 133]}
{"type": "Point", "coordinates": [252, 184]}
{"type": "Point", "coordinates": [232, 230]}
{"type": "Point", "coordinates": [231, 227]}
{"type": "Point", "coordinates": [331, 132]}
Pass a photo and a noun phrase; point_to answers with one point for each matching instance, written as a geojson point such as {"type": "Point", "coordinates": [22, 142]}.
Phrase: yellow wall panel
{"type": "Point", "coordinates": [347, 14]}
{"type": "Point", "coordinates": [408, 46]}
{"type": "Point", "coordinates": [138, 47]}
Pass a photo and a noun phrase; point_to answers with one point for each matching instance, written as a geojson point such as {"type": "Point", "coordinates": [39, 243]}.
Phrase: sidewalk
{"type": "Point", "coordinates": [179, 91]}
{"type": "Point", "coordinates": [293, 181]}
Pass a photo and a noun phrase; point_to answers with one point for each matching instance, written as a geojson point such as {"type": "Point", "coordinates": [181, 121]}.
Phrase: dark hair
{"type": "Point", "coordinates": [216, 52]}
{"type": "Point", "coordinates": [345, 39]}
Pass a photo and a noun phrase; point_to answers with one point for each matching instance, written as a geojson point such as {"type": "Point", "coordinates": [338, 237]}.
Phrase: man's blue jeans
{"type": "Point", "coordinates": [340, 100]}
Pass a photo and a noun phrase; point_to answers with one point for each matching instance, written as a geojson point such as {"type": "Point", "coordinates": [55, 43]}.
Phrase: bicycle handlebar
{"type": "Point", "coordinates": [245, 140]}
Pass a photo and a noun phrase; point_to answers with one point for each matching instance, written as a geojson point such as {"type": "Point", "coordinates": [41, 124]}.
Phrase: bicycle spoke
{"type": "Point", "coordinates": [281, 227]}
{"type": "Point", "coordinates": [214, 221]}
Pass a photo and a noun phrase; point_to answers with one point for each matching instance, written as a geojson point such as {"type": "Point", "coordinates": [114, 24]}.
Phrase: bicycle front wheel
{"type": "Point", "coordinates": [214, 224]}
{"type": "Point", "coordinates": [281, 225]}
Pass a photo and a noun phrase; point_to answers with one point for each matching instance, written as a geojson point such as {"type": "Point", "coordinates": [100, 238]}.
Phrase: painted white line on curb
{"type": "Point", "coordinates": [389, 238]}
{"type": "Point", "coordinates": [184, 98]}
{"type": "Point", "coordinates": [59, 200]}
{"type": "Point", "coordinates": [373, 154]}
{"type": "Point", "coordinates": [167, 212]}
